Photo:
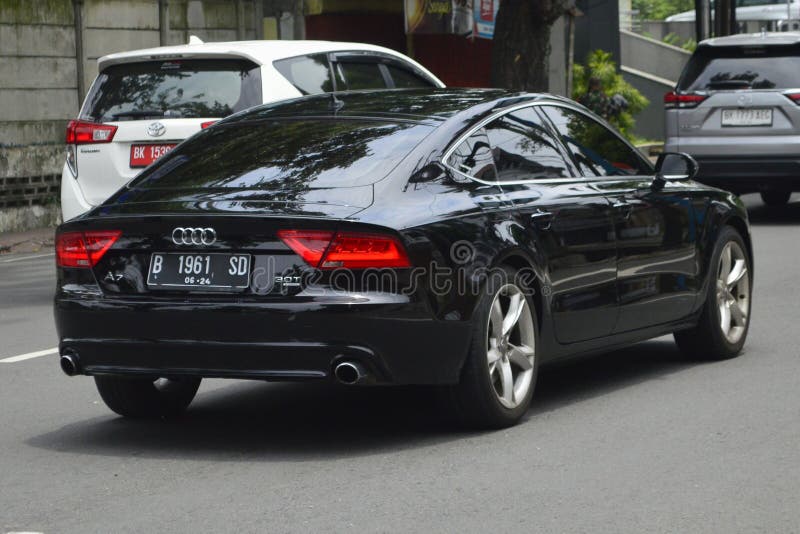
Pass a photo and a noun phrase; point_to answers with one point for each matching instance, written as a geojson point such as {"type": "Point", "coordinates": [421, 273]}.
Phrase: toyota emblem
{"type": "Point", "coordinates": [156, 129]}
{"type": "Point", "coordinates": [194, 236]}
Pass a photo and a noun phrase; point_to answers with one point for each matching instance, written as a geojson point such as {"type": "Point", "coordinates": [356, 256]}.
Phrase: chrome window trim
{"type": "Point", "coordinates": [483, 122]}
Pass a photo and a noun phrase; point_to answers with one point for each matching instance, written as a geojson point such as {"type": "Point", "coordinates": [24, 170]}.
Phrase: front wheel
{"type": "Point", "coordinates": [499, 373]}
{"type": "Point", "coordinates": [723, 325]}
{"type": "Point", "coordinates": [776, 198]}
{"type": "Point", "coordinates": [147, 397]}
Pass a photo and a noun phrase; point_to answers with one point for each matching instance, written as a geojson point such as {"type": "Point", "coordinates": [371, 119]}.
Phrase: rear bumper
{"type": "Point", "coordinates": [396, 339]}
{"type": "Point", "coordinates": [750, 174]}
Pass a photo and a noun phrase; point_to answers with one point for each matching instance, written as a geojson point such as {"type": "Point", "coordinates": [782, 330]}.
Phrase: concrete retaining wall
{"type": "Point", "coordinates": [39, 86]}
{"type": "Point", "coordinates": [650, 122]}
{"type": "Point", "coordinates": [652, 56]}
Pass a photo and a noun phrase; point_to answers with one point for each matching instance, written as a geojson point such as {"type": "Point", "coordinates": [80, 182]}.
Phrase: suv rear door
{"type": "Point", "coordinates": [745, 96]}
{"type": "Point", "coordinates": [151, 106]}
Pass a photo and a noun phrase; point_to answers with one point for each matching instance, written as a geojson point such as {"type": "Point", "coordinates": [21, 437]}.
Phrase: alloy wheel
{"type": "Point", "coordinates": [510, 346]}
{"type": "Point", "coordinates": [733, 292]}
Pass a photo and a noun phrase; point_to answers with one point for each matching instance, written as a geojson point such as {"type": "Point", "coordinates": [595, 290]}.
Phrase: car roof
{"type": "Point", "coordinates": [262, 52]}
{"type": "Point", "coordinates": [754, 39]}
{"type": "Point", "coordinates": [427, 105]}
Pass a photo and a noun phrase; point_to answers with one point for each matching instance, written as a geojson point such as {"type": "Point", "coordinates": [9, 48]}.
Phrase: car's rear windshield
{"type": "Point", "coordinates": [742, 67]}
{"type": "Point", "coordinates": [287, 154]}
{"type": "Point", "coordinates": [198, 88]}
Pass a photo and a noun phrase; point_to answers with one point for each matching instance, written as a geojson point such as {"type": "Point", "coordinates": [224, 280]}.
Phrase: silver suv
{"type": "Point", "coordinates": [736, 109]}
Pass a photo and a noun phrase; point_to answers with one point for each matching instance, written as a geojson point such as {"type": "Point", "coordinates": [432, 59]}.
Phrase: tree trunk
{"type": "Point", "coordinates": [521, 45]}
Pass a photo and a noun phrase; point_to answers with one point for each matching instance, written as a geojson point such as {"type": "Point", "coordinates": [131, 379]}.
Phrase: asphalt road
{"type": "Point", "coordinates": [638, 440]}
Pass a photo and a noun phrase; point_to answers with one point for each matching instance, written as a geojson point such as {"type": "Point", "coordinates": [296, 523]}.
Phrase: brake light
{"type": "Point", "coordinates": [204, 125]}
{"type": "Point", "coordinates": [309, 245]}
{"type": "Point", "coordinates": [361, 251]}
{"type": "Point", "coordinates": [794, 97]}
{"type": "Point", "coordinates": [673, 100]}
{"type": "Point", "coordinates": [348, 250]}
{"type": "Point", "coordinates": [82, 133]}
{"type": "Point", "coordinates": [83, 249]}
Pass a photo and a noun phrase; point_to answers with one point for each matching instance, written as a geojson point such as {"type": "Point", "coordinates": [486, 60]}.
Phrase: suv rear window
{"type": "Point", "coordinates": [200, 88]}
{"type": "Point", "coordinates": [742, 67]}
{"type": "Point", "coordinates": [289, 154]}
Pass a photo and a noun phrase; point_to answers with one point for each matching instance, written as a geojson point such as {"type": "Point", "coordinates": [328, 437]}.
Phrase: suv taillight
{"type": "Point", "coordinates": [346, 250]}
{"type": "Point", "coordinates": [673, 100]}
{"type": "Point", "coordinates": [83, 133]}
{"type": "Point", "coordinates": [794, 96]}
{"type": "Point", "coordinates": [83, 249]}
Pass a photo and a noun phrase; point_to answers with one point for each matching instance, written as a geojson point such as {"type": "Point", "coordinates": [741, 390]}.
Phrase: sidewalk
{"type": "Point", "coordinates": [40, 239]}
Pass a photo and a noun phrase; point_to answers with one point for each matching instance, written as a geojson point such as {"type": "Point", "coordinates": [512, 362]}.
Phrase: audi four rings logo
{"type": "Point", "coordinates": [194, 236]}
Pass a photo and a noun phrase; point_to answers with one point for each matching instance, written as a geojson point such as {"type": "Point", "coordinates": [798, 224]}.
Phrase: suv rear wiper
{"type": "Point", "coordinates": [730, 84]}
{"type": "Point", "coordinates": [139, 113]}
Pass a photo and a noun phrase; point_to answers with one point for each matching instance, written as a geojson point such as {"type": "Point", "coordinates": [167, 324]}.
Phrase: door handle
{"type": "Point", "coordinates": [542, 219]}
{"type": "Point", "coordinates": [623, 210]}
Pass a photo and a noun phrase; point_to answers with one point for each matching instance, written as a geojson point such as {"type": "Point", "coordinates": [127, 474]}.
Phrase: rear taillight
{"type": "Point", "coordinates": [794, 96]}
{"type": "Point", "coordinates": [84, 133]}
{"type": "Point", "coordinates": [83, 249]}
{"type": "Point", "coordinates": [347, 250]}
{"type": "Point", "coordinates": [204, 125]}
{"type": "Point", "coordinates": [309, 245]}
{"type": "Point", "coordinates": [673, 100]}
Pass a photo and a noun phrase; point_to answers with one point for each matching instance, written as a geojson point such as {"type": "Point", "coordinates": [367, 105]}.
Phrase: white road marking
{"type": "Point", "coordinates": [11, 260]}
{"type": "Point", "coordinates": [30, 355]}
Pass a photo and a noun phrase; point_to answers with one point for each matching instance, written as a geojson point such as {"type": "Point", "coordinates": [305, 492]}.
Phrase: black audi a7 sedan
{"type": "Point", "coordinates": [458, 238]}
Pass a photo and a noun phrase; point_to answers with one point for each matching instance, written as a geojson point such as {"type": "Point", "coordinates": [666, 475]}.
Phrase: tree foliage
{"type": "Point", "coordinates": [600, 65]}
{"type": "Point", "coordinates": [660, 9]}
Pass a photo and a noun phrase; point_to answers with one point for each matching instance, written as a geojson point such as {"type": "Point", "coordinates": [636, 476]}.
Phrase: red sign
{"type": "Point", "coordinates": [144, 155]}
{"type": "Point", "coordinates": [487, 10]}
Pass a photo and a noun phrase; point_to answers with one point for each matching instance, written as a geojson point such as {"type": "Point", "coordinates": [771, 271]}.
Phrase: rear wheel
{"type": "Point", "coordinates": [722, 328]}
{"type": "Point", "coordinates": [775, 198]}
{"type": "Point", "coordinates": [147, 397]}
{"type": "Point", "coordinates": [499, 373]}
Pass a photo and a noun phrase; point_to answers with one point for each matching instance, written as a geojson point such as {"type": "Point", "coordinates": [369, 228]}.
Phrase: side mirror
{"type": "Point", "coordinates": [674, 166]}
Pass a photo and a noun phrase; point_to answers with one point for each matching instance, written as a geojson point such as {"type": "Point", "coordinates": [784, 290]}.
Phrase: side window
{"type": "Point", "coordinates": [596, 149]}
{"type": "Point", "coordinates": [309, 74]}
{"type": "Point", "coordinates": [523, 149]}
{"type": "Point", "coordinates": [474, 157]}
{"type": "Point", "coordinates": [361, 75]}
{"type": "Point", "coordinates": [405, 79]}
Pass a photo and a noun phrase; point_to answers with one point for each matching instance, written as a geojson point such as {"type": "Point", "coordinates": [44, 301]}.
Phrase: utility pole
{"type": "Point", "coordinates": [724, 18]}
{"type": "Point", "coordinates": [701, 19]}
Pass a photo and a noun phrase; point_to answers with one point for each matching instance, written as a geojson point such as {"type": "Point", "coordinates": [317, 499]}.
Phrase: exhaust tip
{"type": "Point", "coordinates": [349, 373]}
{"type": "Point", "coordinates": [69, 364]}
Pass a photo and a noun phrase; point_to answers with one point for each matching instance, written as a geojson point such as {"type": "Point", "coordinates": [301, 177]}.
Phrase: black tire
{"type": "Point", "coordinates": [707, 341]}
{"type": "Point", "coordinates": [147, 397]}
{"type": "Point", "coordinates": [776, 198]}
{"type": "Point", "coordinates": [474, 401]}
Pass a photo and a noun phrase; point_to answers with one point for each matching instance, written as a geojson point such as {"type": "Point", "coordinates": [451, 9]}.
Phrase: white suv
{"type": "Point", "coordinates": [145, 102]}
